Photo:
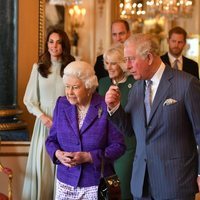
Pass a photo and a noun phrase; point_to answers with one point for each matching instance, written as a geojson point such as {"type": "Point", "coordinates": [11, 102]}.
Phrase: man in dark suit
{"type": "Point", "coordinates": [177, 41]}
{"type": "Point", "coordinates": [166, 162]}
{"type": "Point", "coordinates": [120, 32]}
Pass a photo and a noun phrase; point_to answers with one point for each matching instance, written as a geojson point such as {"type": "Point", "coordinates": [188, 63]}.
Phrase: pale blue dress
{"type": "Point", "coordinates": [40, 97]}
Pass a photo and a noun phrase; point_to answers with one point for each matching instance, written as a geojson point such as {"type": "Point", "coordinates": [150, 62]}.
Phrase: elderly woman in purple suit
{"type": "Point", "coordinates": [81, 136]}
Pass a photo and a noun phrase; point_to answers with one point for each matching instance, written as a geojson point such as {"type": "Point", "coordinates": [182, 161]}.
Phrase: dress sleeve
{"type": "Point", "coordinates": [31, 97]}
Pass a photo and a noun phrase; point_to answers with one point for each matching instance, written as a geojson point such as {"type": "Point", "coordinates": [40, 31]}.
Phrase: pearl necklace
{"type": "Point", "coordinates": [82, 114]}
{"type": "Point", "coordinates": [121, 81]}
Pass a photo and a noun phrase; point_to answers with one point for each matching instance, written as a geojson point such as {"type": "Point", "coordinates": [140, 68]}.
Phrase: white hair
{"type": "Point", "coordinates": [83, 71]}
{"type": "Point", "coordinates": [116, 52]}
{"type": "Point", "coordinates": [144, 43]}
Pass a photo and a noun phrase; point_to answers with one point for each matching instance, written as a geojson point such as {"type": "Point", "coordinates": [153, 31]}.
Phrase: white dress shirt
{"type": "Point", "coordinates": [156, 80]}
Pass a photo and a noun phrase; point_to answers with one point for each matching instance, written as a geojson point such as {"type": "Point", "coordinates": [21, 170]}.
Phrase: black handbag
{"type": "Point", "coordinates": [109, 187]}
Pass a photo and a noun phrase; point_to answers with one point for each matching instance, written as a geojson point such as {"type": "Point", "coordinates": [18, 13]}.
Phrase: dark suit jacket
{"type": "Point", "coordinates": [166, 146]}
{"type": "Point", "coordinates": [99, 68]}
{"type": "Point", "coordinates": [97, 135]}
{"type": "Point", "coordinates": [189, 65]}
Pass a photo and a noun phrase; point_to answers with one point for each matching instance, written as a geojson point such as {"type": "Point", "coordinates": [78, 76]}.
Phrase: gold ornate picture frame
{"type": "Point", "coordinates": [41, 26]}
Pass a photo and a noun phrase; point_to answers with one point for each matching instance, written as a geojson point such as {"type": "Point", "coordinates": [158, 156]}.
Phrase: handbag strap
{"type": "Point", "coordinates": [102, 168]}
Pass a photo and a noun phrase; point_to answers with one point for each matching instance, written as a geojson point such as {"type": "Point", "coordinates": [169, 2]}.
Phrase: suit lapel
{"type": "Point", "coordinates": [141, 94]}
{"type": "Point", "coordinates": [185, 66]}
{"type": "Point", "coordinates": [165, 59]}
{"type": "Point", "coordinates": [90, 117]}
{"type": "Point", "coordinates": [71, 114]}
{"type": "Point", "coordinates": [162, 90]}
{"type": "Point", "coordinates": [92, 113]}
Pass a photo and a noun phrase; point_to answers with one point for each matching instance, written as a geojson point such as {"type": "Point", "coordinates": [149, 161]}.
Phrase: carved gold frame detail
{"type": "Point", "coordinates": [41, 26]}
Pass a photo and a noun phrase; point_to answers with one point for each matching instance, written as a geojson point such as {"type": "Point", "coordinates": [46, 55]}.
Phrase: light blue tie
{"type": "Point", "coordinates": [148, 98]}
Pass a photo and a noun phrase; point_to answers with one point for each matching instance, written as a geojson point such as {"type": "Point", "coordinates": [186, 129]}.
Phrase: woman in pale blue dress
{"type": "Point", "coordinates": [44, 87]}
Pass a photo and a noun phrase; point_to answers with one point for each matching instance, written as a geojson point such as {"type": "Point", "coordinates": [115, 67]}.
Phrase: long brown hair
{"type": "Point", "coordinates": [44, 61]}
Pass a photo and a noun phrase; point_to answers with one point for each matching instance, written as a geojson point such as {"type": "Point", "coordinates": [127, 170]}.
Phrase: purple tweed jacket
{"type": "Point", "coordinates": [98, 136]}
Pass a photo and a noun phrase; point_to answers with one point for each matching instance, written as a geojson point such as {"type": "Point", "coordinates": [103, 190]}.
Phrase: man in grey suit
{"type": "Point", "coordinates": [166, 163]}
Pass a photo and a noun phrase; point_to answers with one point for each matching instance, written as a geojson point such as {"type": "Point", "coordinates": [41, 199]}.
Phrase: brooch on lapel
{"type": "Point", "coordinates": [129, 85]}
{"type": "Point", "coordinates": [100, 112]}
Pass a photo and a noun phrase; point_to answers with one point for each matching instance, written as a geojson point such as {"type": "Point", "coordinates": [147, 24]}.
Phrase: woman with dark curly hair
{"type": "Point", "coordinates": [44, 87]}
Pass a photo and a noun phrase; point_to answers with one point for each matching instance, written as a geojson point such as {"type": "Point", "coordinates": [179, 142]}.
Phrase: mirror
{"type": "Point", "coordinates": [90, 43]}
{"type": "Point", "coordinates": [53, 15]}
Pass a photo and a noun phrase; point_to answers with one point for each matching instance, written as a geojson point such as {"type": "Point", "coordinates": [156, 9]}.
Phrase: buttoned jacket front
{"type": "Point", "coordinates": [97, 135]}
{"type": "Point", "coordinates": [167, 144]}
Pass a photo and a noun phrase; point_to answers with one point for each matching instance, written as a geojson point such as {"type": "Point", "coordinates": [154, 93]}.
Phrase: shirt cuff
{"type": "Point", "coordinates": [111, 112]}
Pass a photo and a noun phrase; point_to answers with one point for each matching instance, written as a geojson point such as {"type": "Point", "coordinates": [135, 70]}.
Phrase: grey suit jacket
{"type": "Point", "coordinates": [166, 146]}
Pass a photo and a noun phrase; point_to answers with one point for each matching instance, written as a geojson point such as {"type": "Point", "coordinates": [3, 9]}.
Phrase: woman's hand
{"type": "Point", "coordinates": [71, 159]}
{"type": "Point", "coordinates": [47, 121]}
{"type": "Point", "coordinates": [82, 157]}
{"type": "Point", "coordinates": [65, 158]}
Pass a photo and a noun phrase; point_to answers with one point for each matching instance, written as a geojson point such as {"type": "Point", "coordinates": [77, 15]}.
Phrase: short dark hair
{"type": "Point", "coordinates": [178, 30]}
{"type": "Point", "coordinates": [123, 22]}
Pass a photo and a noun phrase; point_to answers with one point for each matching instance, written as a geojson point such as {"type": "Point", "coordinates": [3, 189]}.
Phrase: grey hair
{"type": "Point", "coordinates": [144, 44]}
{"type": "Point", "coordinates": [117, 51]}
{"type": "Point", "coordinates": [83, 71]}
